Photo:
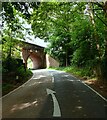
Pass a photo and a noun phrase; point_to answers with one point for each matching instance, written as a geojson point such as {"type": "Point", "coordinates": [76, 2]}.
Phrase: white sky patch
{"type": "Point", "coordinates": [30, 10]}
{"type": "Point", "coordinates": [0, 20]}
{"type": "Point", "coordinates": [35, 41]}
{"type": "Point", "coordinates": [27, 32]}
{"type": "Point", "coordinates": [30, 38]}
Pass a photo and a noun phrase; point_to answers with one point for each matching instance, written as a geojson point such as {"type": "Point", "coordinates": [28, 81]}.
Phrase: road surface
{"type": "Point", "coordinates": [51, 94]}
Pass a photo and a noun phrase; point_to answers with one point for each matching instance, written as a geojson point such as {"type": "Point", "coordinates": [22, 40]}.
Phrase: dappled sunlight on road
{"type": "Point", "coordinates": [79, 107]}
{"type": "Point", "coordinates": [79, 101]}
{"type": "Point", "coordinates": [41, 76]}
{"type": "Point", "coordinates": [24, 105]}
{"type": "Point", "coordinates": [35, 83]}
{"type": "Point", "coordinates": [53, 94]}
{"type": "Point", "coordinates": [40, 81]}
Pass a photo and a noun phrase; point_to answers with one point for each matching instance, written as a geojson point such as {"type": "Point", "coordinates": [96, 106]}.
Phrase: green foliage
{"type": "Point", "coordinates": [8, 13]}
{"type": "Point", "coordinates": [11, 30]}
{"type": "Point", "coordinates": [12, 68]}
{"type": "Point", "coordinates": [6, 87]}
{"type": "Point", "coordinates": [22, 73]}
{"type": "Point", "coordinates": [104, 69]}
{"type": "Point", "coordinates": [12, 65]}
{"type": "Point", "coordinates": [77, 35]}
{"type": "Point", "coordinates": [84, 48]}
{"type": "Point", "coordinates": [10, 82]}
{"type": "Point", "coordinates": [52, 21]}
{"type": "Point", "coordinates": [9, 64]}
{"type": "Point", "coordinates": [76, 71]}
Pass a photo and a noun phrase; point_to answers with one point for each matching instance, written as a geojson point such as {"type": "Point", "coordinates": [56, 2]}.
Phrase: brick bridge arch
{"type": "Point", "coordinates": [37, 56]}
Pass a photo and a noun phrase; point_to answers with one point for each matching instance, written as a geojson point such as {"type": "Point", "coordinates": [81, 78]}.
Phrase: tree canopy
{"type": "Point", "coordinates": [77, 31]}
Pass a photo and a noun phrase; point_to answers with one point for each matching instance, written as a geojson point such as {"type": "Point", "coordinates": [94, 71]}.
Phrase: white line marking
{"type": "Point", "coordinates": [53, 79]}
{"type": "Point", "coordinates": [18, 87]}
{"type": "Point", "coordinates": [57, 112]}
{"type": "Point", "coordinates": [73, 80]}
{"type": "Point", "coordinates": [94, 91]}
{"type": "Point", "coordinates": [91, 89]}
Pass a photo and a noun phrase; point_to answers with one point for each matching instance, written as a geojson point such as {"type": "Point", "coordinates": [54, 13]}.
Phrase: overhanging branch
{"type": "Point", "coordinates": [100, 19]}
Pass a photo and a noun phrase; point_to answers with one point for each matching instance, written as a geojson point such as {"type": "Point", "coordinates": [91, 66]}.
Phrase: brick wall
{"type": "Point", "coordinates": [51, 62]}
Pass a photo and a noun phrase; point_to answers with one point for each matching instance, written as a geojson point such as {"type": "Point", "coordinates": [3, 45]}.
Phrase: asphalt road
{"type": "Point", "coordinates": [50, 94]}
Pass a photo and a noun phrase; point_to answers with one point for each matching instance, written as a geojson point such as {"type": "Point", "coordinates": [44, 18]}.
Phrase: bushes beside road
{"type": "Point", "coordinates": [13, 74]}
{"type": "Point", "coordinates": [80, 72]}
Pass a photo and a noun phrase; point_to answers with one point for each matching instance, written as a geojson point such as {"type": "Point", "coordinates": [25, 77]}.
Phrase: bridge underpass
{"type": "Point", "coordinates": [36, 55]}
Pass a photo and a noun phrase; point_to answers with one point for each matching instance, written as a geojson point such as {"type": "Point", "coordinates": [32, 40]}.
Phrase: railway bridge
{"type": "Point", "coordinates": [35, 51]}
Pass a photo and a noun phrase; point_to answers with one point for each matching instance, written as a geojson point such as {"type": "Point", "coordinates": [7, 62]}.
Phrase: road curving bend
{"type": "Point", "coordinates": [52, 93]}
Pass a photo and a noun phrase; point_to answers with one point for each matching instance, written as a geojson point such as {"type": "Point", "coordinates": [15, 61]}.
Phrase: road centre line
{"type": "Point", "coordinates": [53, 80]}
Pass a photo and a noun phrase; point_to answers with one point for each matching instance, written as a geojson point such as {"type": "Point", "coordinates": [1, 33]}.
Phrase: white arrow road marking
{"type": "Point", "coordinates": [57, 112]}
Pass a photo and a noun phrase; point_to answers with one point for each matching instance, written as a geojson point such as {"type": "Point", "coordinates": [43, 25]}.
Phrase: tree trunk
{"type": "Point", "coordinates": [66, 59]}
{"type": "Point", "coordinates": [101, 68]}
{"type": "Point", "coordinates": [98, 70]}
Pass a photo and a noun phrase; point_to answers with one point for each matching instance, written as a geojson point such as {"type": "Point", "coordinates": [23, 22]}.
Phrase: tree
{"type": "Point", "coordinates": [11, 30]}
{"type": "Point", "coordinates": [13, 26]}
{"type": "Point", "coordinates": [76, 32]}
{"type": "Point", "coordinates": [54, 23]}
{"type": "Point", "coordinates": [100, 39]}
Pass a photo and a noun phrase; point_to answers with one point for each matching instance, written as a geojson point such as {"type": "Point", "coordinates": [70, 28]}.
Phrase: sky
{"type": "Point", "coordinates": [28, 38]}
{"type": "Point", "coordinates": [32, 39]}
